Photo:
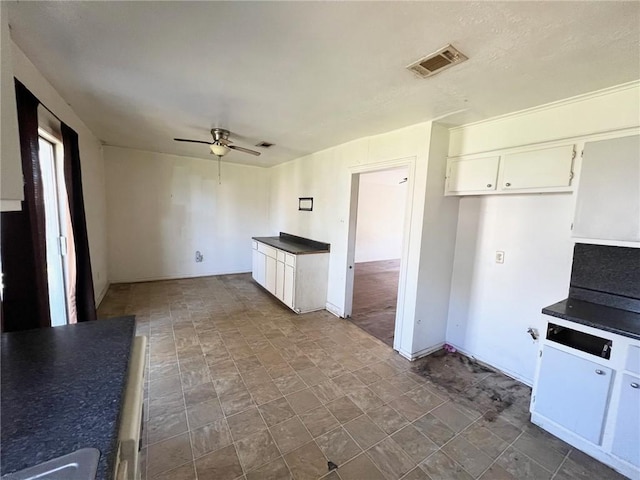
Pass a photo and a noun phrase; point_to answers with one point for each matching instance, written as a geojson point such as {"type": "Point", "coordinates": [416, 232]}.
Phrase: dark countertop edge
{"type": "Point", "coordinates": [109, 446]}
{"type": "Point", "coordinates": [294, 247]}
{"type": "Point", "coordinates": [620, 322]}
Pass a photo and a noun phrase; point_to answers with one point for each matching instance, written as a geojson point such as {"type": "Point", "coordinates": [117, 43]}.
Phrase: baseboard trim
{"type": "Point", "coordinates": [331, 308]}
{"type": "Point", "coordinates": [177, 277]}
{"type": "Point", "coordinates": [420, 353]}
{"type": "Point", "coordinates": [102, 294]}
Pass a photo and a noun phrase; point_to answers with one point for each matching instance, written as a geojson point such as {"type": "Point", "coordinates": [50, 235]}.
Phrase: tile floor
{"type": "Point", "coordinates": [375, 293]}
{"type": "Point", "coordinates": [239, 387]}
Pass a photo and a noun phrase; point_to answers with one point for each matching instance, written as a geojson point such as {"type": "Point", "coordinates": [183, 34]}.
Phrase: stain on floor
{"type": "Point", "coordinates": [477, 385]}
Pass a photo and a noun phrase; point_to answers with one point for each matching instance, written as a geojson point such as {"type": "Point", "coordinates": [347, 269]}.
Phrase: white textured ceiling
{"type": "Point", "coordinates": [309, 75]}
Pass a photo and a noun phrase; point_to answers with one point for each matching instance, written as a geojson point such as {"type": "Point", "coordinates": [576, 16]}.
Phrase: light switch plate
{"type": "Point", "coordinates": [499, 256]}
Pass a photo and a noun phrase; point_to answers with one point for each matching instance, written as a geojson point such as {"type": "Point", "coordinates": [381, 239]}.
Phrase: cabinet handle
{"type": "Point", "coordinates": [507, 184]}
{"type": "Point", "coordinates": [599, 372]}
{"type": "Point", "coordinates": [488, 185]}
{"type": "Point", "coordinates": [634, 385]}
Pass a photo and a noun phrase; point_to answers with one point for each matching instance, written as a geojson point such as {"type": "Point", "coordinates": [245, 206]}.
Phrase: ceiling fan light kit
{"type": "Point", "coordinates": [219, 150]}
{"type": "Point", "coordinates": [221, 144]}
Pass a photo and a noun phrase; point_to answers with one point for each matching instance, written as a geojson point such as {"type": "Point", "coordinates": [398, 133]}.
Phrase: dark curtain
{"type": "Point", "coordinates": [85, 301]}
{"type": "Point", "coordinates": [25, 301]}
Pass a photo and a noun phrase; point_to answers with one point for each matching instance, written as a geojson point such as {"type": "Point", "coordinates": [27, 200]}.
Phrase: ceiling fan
{"type": "Point", "coordinates": [221, 144]}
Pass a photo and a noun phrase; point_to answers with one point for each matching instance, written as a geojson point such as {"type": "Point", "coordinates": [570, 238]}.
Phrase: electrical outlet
{"type": "Point", "coordinates": [199, 256]}
{"type": "Point", "coordinates": [499, 256]}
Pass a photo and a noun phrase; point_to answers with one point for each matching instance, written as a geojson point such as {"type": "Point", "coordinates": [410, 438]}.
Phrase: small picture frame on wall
{"type": "Point", "coordinates": [305, 204]}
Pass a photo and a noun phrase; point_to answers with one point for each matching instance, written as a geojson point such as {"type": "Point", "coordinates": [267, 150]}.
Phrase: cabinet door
{"type": "Point", "coordinates": [289, 286]}
{"type": "Point", "coordinates": [608, 202]}
{"type": "Point", "coordinates": [573, 393]}
{"type": "Point", "coordinates": [472, 175]}
{"type": "Point", "coordinates": [544, 168]}
{"type": "Point", "coordinates": [626, 437]}
{"type": "Point", "coordinates": [280, 280]}
{"type": "Point", "coordinates": [258, 267]}
{"type": "Point", "coordinates": [270, 275]}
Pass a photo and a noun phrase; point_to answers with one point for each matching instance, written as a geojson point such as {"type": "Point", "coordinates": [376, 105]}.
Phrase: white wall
{"type": "Point", "coordinates": [381, 204]}
{"type": "Point", "coordinates": [492, 305]}
{"type": "Point", "coordinates": [93, 184]}
{"type": "Point", "coordinates": [162, 208]}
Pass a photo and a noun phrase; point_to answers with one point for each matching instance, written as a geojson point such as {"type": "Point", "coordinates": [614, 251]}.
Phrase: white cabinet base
{"type": "Point", "coordinates": [585, 446]}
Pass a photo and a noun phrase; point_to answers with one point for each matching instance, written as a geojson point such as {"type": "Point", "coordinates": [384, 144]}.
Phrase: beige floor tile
{"type": "Point", "coordinates": [344, 409]}
{"type": "Point", "coordinates": [307, 462]}
{"type": "Point", "coordinates": [434, 429]}
{"type": "Point", "coordinates": [265, 392]}
{"type": "Point", "coordinates": [236, 402]}
{"type": "Point", "coordinates": [289, 383]}
{"type": "Point", "coordinates": [496, 472]}
{"type": "Point", "coordinates": [184, 472]}
{"type": "Point", "coordinates": [338, 446]}
{"type": "Point", "coordinates": [416, 445]}
{"type": "Point", "coordinates": [364, 431]}
{"type": "Point", "coordinates": [161, 427]}
{"type": "Point", "coordinates": [486, 441]}
{"type": "Point", "coordinates": [385, 390]}
{"type": "Point", "coordinates": [209, 438]}
{"type": "Point", "coordinates": [256, 450]}
{"type": "Point", "coordinates": [319, 421]}
{"type": "Point", "coordinates": [521, 466]}
{"type": "Point", "coordinates": [199, 394]}
{"type": "Point", "coordinates": [360, 468]}
{"type": "Point", "coordinates": [246, 423]}
{"type": "Point", "coordinates": [451, 417]}
{"type": "Point", "coordinates": [167, 404]}
{"type": "Point", "coordinates": [290, 434]}
{"type": "Point", "coordinates": [276, 411]}
{"type": "Point", "coordinates": [204, 413]}
{"type": "Point", "coordinates": [440, 467]}
{"type": "Point", "coordinates": [390, 459]}
{"type": "Point", "coordinates": [164, 386]}
{"type": "Point", "coordinates": [472, 459]}
{"type": "Point", "coordinates": [168, 454]}
{"type": "Point", "coordinates": [327, 391]}
{"type": "Point", "coordinates": [406, 407]}
{"type": "Point", "coordinates": [416, 474]}
{"type": "Point", "coordinates": [303, 401]}
{"type": "Point", "coordinates": [364, 398]}
{"type": "Point", "coordinates": [222, 464]}
{"type": "Point", "coordinates": [276, 470]}
{"type": "Point", "coordinates": [387, 419]}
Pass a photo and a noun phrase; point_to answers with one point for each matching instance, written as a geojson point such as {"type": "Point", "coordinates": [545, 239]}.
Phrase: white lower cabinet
{"type": "Point", "coordinates": [298, 281]}
{"type": "Point", "coordinates": [626, 439]}
{"type": "Point", "coordinates": [573, 392]}
{"type": "Point", "coordinates": [591, 402]}
{"type": "Point", "coordinates": [258, 266]}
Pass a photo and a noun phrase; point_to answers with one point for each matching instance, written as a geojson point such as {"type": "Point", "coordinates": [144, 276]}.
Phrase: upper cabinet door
{"type": "Point", "coordinates": [544, 168]}
{"type": "Point", "coordinates": [472, 175]}
{"type": "Point", "coordinates": [608, 203]}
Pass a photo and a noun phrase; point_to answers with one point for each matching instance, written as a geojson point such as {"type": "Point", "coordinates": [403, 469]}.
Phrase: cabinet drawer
{"type": "Point", "coordinates": [254, 244]}
{"type": "Point", "coordinates": [280, 255]}
{"type": "Point", "coordinates": [633, 359]}
{"type": "Point", "coordinates": [267, 250]}
{"type": "Point", "coordinates": [290, 260]}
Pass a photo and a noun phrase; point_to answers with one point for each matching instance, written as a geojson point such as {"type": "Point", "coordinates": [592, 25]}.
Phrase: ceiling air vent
{"type": "Point", "coordinates": [264, 144]}
{"type": "Point", "coordinates": [437, 61]}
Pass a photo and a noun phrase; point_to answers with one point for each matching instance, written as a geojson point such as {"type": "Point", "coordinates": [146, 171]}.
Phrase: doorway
{"type": "Point", "coordinates": [378, 220]}
{"type": "Point", "coordinates": [57, 228]}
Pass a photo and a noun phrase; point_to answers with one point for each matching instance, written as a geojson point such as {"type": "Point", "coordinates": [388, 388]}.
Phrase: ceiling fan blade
{"type": "Point", "coordinates": [191, 141]}
{"type": "Point", "coordinates": [245, 150]}
{"type": "Point", "coordinates": [224, 141]}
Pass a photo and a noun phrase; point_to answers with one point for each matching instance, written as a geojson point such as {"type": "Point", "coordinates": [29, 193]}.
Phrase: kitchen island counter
{"type": "Point", "coordinates": [62, 390]}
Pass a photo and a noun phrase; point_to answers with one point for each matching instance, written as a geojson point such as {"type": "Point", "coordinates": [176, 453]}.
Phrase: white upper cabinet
{"type": "Point", "coordinates": [472, 175]}
{"type": "Point", "coordinates": [544, 168]}
{"type": "Point", "coordinates": [608, 203]}
{"type": "Point", "coordinates": [524, 171]}
{"type": "Point", "coordinates": [11, 188]}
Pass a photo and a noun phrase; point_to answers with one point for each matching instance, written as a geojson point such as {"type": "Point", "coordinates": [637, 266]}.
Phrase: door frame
{"type": "Point", "coordinates": [354, 173]}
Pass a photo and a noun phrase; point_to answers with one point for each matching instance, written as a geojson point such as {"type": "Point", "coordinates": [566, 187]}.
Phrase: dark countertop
{"type": "Point", "coordinates": [613, 320]}
{"type": "Point", "coordinates": [294, 244]}
{"type": "Point", "coordinates": [62, 390]}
